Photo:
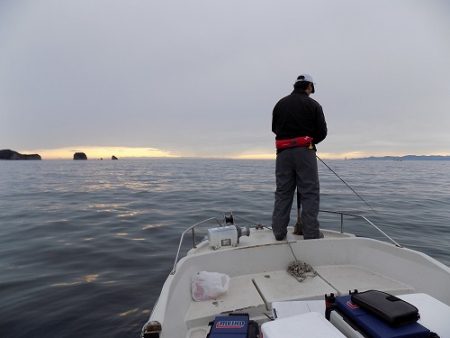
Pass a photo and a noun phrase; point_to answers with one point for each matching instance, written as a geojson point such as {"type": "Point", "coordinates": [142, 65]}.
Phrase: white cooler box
{"type": "Point", "coordinates": [308, 325]}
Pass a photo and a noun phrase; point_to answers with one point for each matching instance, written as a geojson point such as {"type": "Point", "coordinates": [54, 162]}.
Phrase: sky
{"type": "Point", "coordinates": [200, 78]}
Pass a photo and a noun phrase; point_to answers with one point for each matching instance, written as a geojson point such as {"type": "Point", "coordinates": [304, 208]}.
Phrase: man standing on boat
{"type": "Point", "coordinates": [299, 124]}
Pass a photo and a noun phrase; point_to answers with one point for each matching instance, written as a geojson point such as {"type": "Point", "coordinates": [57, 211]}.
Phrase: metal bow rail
{"type": "Point", "coordinates": [341, 213]}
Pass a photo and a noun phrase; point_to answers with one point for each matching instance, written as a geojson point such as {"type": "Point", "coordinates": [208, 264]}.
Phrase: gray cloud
{"type": "Point", "coordinates": [201, 77]}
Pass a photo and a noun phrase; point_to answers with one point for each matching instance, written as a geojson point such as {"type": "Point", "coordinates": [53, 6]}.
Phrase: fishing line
{"type": "Point", "coordinates": [354, 191]}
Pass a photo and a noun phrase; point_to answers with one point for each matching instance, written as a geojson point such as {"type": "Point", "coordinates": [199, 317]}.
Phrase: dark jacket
{"type": "Point", "coordinates": [299, 115]}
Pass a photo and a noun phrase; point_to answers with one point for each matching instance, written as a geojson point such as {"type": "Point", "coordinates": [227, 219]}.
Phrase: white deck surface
{"type": "Point", "coordinates": [278, 286]}
{"type": "Point", "coordinates": [349, 277]}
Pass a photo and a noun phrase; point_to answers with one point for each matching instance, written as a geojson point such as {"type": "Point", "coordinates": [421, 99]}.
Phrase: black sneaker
{"type": "Point", "coordinates": [280, 237]}
{"type": "Point", "coordinates": [321, 235]}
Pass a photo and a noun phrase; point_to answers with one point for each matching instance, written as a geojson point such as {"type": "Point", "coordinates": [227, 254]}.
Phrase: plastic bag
{"type": "Point", "coordinates": [209, 285]}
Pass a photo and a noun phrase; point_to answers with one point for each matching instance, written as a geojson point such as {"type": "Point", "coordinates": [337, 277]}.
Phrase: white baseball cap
{"type": "Point", "coordinates": [305, 78]}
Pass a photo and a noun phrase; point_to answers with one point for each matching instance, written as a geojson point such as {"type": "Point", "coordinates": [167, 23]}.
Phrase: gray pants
{"type": "Point", "coordinates": [297, 168]}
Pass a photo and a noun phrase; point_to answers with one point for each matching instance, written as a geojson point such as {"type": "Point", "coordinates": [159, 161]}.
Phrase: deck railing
{"type": "Point", "coordinates": [222, 223]}
{"type": "Point", "coordinates": [342, 214]}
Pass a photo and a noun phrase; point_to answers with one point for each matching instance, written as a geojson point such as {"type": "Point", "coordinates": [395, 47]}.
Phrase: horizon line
{"type": "Point", "coordinates": [98, 153]}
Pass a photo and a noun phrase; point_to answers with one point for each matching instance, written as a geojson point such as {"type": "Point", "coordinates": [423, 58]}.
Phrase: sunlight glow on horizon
{"type": "Point", "coordinates": [93, 152]}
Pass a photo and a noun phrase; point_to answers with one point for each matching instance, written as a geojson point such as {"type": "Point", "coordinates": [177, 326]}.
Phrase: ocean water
{"type": "Point", "coordinates": [85, 246]}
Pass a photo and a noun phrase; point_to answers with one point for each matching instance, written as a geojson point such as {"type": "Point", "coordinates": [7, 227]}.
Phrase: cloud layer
{"type": "Point", "coordinates": [200, 78]}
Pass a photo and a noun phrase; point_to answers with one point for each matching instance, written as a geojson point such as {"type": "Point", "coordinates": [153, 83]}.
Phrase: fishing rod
{"type": "Point", "coordinates": [354, 191]}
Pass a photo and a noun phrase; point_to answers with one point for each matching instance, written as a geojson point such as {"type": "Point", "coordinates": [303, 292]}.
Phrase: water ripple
{"type": "Point", "coordinates": [85, 247]}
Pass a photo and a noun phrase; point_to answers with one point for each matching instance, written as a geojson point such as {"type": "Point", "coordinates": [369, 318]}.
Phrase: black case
{"type": "Point", "coordinates": [389, 308]}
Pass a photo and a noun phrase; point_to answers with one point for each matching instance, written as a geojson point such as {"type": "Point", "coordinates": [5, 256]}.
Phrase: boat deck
{"type": "Point", "coordinates": [254, 293]}
{"type": "Point", "coordinates": [257, 268]}
{"type": "Point", "coordinates": [260, 284]}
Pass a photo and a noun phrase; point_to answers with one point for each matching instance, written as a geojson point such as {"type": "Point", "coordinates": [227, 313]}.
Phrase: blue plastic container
{"type": "Point", "coordinates": [229, 327]}
{"type": "Point", "coordinates": [375, 327]}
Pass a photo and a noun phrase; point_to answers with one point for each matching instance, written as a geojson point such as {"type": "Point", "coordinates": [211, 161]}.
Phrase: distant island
{"type": "Point", "coordinates": [408, 158]}
{"type": "Point", "coordinates": [8, 154]}
{"type": "Point", "coordinates": [79, 156]}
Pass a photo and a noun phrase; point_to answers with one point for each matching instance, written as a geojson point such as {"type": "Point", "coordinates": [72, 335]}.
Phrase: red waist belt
{"type": "Point", "coordinates": [303, 141]}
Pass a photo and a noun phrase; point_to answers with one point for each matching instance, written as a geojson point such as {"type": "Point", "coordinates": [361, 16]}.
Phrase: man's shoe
{"type": "Point", "coordinates": [320, 236]}
{"type": "Point", "coordinates": [280, 237]}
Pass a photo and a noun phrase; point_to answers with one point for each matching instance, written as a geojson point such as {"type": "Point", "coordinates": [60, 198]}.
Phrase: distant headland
{"type": "Point", "coordinates": [8, 154]}
{"type": "Point", "coordinates": [408, 158]}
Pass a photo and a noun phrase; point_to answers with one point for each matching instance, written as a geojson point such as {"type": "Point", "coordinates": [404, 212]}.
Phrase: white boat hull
{"type": "Point", "coordinates": [257, 268]}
